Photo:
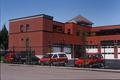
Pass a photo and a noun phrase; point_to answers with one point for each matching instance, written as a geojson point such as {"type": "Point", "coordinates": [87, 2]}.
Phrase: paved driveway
{"type": "Point", "coordinates": [32, 72]}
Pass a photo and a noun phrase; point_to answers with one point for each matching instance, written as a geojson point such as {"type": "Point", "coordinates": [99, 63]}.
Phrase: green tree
{"type": "Point", "coordinates": [4, 38]}
{"type": "Point", "coordinates": [0, 39]}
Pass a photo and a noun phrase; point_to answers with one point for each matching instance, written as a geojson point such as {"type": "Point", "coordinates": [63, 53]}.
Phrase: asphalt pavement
{"type": "Point", "coordinates": [37, 72]}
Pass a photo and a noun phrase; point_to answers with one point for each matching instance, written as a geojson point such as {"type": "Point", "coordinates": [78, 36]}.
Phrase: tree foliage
{"type": "Point", "coordinates": [4, 38]}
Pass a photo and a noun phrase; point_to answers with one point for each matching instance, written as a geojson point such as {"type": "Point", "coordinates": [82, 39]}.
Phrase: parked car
{"type": "Point", "coordinates": [21, 58]}
{"type": "Point", "coordinates": [8, 58]}
{"type": "Point", "coordinates": [58, 58]}
{"type": "Point", "coordinates": [99, 60]}
{"type": "Point", "coordinates": [90, 60]}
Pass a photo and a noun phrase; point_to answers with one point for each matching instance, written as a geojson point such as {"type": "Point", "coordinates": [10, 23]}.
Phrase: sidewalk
{"type": "Point", "coordinates": [87, 69]}
{"type": "Point", "coordinates": [71, 68]}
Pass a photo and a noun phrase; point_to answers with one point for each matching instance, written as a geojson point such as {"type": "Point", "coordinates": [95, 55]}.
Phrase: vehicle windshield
{"type": "Point", "coordinates": [99, 56]}
{"type": "Point", "coordinates": [95, 56]}
{"type": "Point", "coordinates": [47, 56]}
{"type": "Point", "coordinates": [62, 55]}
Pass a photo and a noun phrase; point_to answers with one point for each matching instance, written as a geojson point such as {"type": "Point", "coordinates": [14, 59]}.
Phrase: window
{"type": "Point", "coordinates": [62, 55]}
{"type": "Point", "coordinates": [21, 28]}
{"type": "Point", "coordinates": [60, 30]}
{"type": "Point", "coordinates": [77, 33]}
{"type": "Point", "coordinates": [89, 33]}
{"type": "Point", "coordinates": [24, 28]}
{"type": "Point", "coordinates": [69, 31]}
{"type": "Point", "coordinates": [84, 24]}
{"type": "Point", "coordinates": [107, 42]}
{"type": "Point", "coordinates": [93, 34]}
{"type": "Point", "coordinates": [55, 56]}
{"type": "Point", "coordinates": [47, 56]}
{"type": "Point", "coordinates": [108, 32]}
{"type": "Point", "coordinates": [27, 27]}
{"type": "Point", "coordinates": [57, 29]}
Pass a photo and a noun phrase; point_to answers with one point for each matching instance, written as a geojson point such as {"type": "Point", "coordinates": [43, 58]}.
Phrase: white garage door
{"type": "Point", "coordinates": [56, 49]}
{"type": "Point", "coordinates": [67, 50]}
{"type": "Point", "coordinates": [91, 50]}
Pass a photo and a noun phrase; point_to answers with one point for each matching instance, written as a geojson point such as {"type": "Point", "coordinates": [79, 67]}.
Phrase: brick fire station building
{"type": "Point", "coordinates": [41, 34]}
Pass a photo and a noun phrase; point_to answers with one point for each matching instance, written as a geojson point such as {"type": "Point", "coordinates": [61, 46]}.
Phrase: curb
{"type": "Point", "coordinates": [91, 69]}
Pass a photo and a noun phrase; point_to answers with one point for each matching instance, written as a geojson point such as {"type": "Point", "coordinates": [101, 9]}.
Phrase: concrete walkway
{"type": "Point", "coordinates": [37, 72]}
{"type": "Point", "coordinates": [72, 68]}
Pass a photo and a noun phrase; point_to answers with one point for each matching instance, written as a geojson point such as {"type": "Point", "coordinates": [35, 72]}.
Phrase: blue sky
{"type": "Point", "coordinates": [100, 12]}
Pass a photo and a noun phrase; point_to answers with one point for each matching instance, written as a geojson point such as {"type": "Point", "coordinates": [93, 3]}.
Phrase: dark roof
{"type": "Point", "coordinates": [80, 18]}
{"type": "Point", "coordinates": [39, 15]}
{"type": "Point", "coordinates": [106, 26]}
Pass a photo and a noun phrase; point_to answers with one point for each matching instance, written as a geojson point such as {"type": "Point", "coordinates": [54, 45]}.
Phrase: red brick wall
{"type": "Point", "coordinates": [41, 34]}
{"type": "Point", "coordinates": [35, 24]}
{"type": "Point", "coordinates": [34, 34]}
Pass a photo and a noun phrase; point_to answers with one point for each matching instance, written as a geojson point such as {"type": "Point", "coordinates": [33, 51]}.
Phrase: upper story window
{"type": "Point", "coordinates": [108, 42]}
{"type": "Point", "coordinates": [57, 29]}
{"type": "Point", "coordinates": [21, 28]}
{"type": "Point", "coordinates": [69, 31]}
{"type": "Point", "coordinates": [77, 33]}
{"type": "Point", "coordinates": [54, 28]}
{"type": "Point", "coordinates": [89, 33]}
{"type": "Point", "coordinates": [24, 28]}
{"type": "Point", "coordinates": [93, 33]}
{"type": "Point", "coordinates": [27, 27]}
{"type": "Point", "coordinates": [106, 32]}
{"type": "Point", "coordinates": [84, 24]}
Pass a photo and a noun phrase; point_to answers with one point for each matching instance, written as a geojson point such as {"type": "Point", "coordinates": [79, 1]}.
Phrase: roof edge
{"type": "Point", "coordinates": [34, 16]}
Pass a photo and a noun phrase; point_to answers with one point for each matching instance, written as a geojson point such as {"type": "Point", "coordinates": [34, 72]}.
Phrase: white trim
{"type": "Point", "coordinates": [19, 19]}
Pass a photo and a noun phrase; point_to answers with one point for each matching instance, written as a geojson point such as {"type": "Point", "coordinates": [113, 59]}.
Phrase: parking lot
{"type": "Point", "coordinates": [36, 72]}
